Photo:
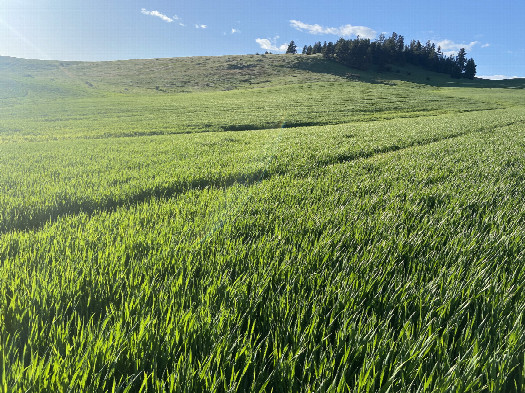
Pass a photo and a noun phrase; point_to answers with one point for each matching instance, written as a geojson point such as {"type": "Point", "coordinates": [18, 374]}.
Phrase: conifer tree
{"type": "Point", "coordinates": [461, 59]}
{"type": "Point", "coordinates": [292, 48]}
{"type": "Point", "coordinates": [470, 69]}
{"type": "Point", "coordinates": [363, 53]}
{"type": "Point", "coordinates": [329, 51]}
{"type": "Point", "coordinates": [342, 51]}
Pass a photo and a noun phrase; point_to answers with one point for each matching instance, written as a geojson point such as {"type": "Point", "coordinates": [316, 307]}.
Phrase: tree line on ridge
{"type": "Point", "coordinates": [363, 53]}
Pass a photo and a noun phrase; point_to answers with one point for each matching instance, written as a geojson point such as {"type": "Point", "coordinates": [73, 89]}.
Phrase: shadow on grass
{"type": "Point", "coordinates": [407, 73]}
{"type": "Point", "coordinates": [34, 220]}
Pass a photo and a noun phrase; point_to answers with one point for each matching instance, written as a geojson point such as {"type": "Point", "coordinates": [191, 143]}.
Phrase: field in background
{"type": "Point", "coordinates": [259, 223]}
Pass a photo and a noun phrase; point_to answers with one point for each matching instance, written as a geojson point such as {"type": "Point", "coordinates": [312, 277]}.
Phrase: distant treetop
{"type": "Point", "coordinates": [292, 48]}
{"type": "Point", "coordinates": [363, 53]}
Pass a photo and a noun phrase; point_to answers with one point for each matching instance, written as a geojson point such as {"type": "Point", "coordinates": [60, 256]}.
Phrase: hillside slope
{"type": "Point", "coordinates": [259, 224]}
{"type": "Point", "coordinates": [212, 73]}
{"type": "Point", "coordinates": [49, 100]}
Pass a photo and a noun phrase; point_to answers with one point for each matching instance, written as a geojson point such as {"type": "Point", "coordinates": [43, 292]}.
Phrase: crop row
{"type": "Point", "coordinates": [395, 272]}
{"type": "Point", "coordinates": [113, 115]}
{"type": "Point", "coordinates": [42, 181]}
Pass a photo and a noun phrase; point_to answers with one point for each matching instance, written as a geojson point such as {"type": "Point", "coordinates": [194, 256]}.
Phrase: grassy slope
{"type": "Point", "coordinates": [158, 239]}
{"type": "Point", "coordinates": [213, 73]}
{"type": "Point", "coordinates": [51, 100]}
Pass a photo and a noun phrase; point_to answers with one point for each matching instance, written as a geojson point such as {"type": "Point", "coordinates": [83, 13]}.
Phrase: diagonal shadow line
{"type": "Point", "coordinates": [245, 127]}
{"type": "Point", "coordinates": [37, 220]}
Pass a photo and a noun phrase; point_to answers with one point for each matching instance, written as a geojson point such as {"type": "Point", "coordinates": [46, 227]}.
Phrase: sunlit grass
{"type": "Point", "coordinates": [352, 255]}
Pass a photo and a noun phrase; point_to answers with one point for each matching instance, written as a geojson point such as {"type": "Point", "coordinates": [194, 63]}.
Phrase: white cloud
{"type": "Point", "coordinates": [361, 31]}
{"type": "Point", "coordinates": [271, 45]}
{"type": "Point", "coordinates": [176, 17]}
{"type": "Point", "coordinates": [450, 53]}
{"type": "Point", "coordinates": [165, 18]}
{"type": "Point", "coordinates": [343, 31]}
{"type": "Point", "coordinates": [450, 48]}
{"type": "Point", "coordinates": [201, 26]}
{"type": "Point", "coordinates": [235, 31]}
{"type": "Point", "coordinates": [485, 45]}
{"type": "Point", "coordinates": [448, 45]}
{"type": "Point", "coordinates": [497, 77]}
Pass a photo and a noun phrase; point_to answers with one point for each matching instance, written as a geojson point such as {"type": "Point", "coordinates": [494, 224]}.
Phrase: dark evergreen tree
{"type": "Point", "coordinates": [429, 51]}
{"type": "Point", "coordinates": [470, 69]}
{"type": "Point", "coordinates": [454, 67]}
{"type": "Point", "coordinates": [461, 59]}
{"type": "Point", "coordinates": [292, 48]}
{"type": "Point", "coordinates": [400, 50]}
{"type": "Point", "coordinates": [305, 48]}
{"type": "Point", "coordinates": [400, 44]}
{"type": "Point", "coordinates": [342, 51]}
{"type": "Point", "coordinates": [317, 48]}
{"type": "Point", "coordinates": [362, 53]}
{"type": "Point", "coordinates": [376, 53]}
{"type": "Point", "coordinates": [329, 51]}
{"type": "Point", "coordinates": [390, 46]}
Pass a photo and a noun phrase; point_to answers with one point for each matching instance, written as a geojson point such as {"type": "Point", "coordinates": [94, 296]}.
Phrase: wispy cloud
{"type": "Point", "coordinates": [450, 48]}
{"type": "Point", "coordinates": [157, 14]}
{"type": "Point", "coordinates": [201, 26]}
{"type": "Point", "coordinates": [271, 45]}
{"type": "Point", "coordinates": [179, 19]}
{"type": "Point", "coordinates": [485, 45]}
{"type": "Point", "coordinates": [235, 31]}
{"type": "Point", "coordinates": [343, 31]}
{"type": "Point", "coordinates": [498, 77]}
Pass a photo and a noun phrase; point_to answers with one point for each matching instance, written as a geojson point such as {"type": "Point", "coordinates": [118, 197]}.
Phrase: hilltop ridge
{"type": "Point", "coordinates": [211, 73]}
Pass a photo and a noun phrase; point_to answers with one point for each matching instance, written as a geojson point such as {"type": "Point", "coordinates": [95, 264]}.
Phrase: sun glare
{"type": "Point", "coordinates": [15, 35]}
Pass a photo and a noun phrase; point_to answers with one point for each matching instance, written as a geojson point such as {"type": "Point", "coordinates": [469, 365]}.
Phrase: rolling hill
{"type": "Point", "coordinates": [259, 223]}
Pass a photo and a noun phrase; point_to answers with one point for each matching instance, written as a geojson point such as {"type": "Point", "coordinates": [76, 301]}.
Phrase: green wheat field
{"type": "Point", "coordinates": [264, 223]}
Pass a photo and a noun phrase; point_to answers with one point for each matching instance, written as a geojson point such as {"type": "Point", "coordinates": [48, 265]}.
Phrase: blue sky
{"type": "Point", "coordinates": [492, 31]}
